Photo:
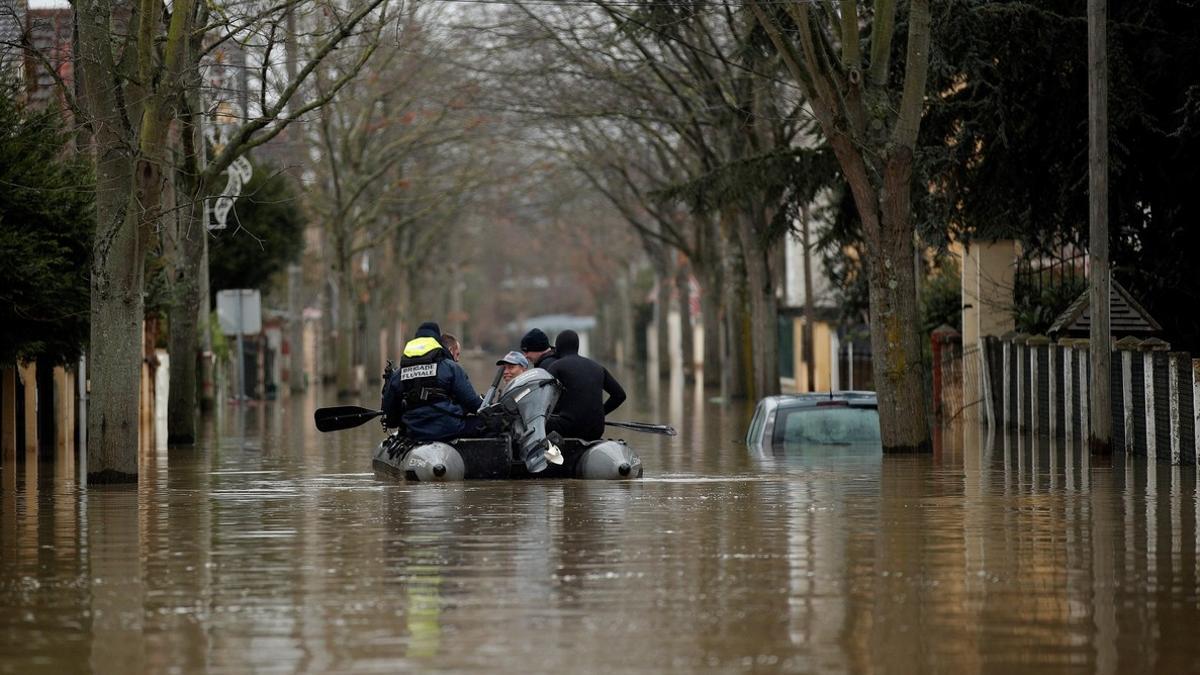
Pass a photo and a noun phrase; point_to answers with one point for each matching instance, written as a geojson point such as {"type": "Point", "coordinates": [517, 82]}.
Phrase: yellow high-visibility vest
{"type": "Point", "coordinates": [418, 347]}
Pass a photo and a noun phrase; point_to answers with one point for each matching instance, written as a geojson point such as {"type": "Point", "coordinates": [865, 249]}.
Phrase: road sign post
{"type": "Point", "coordinates": [239, 312]}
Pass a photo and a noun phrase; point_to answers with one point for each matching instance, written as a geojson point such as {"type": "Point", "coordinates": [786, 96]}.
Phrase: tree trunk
{"type": "Point", "coordinates": [456, 316]}
{"type": "Point", "coordinates": [295, 329]}
{"type": "Point", "coordinates": [763, 312]}
{"type": "Point", "coordinates": [684, 287]}
{"type": "Point", "coordinates": [709, 262]}
{"type": "Point", "coordinates": [662, 312]}
{"type": "Point", "coordinates": [184, 313]}
{"type": "Point", "coordinates": [710, 316]}
{"type": "Point", "coordinates": [625, 307]}
{"type": "Point", "coordinates": [116, 331]}
{"type": "Point", "coordinates": [188, 311]}
{"type": "Point", "coordinates": [115, 352]}
{"type": "Point", "coordinates": [738, 362]}
{"type": "Point", "coordinates": [372, 358]}
{"type": "Point", "coordinates": [406, 321]}
{"type": "Point", "coordinates": [207, 376]}
{"type": "Point", "coordinates": [327, 357]}
{"type": "Point", "coordinates": [344, 344]}
{"type": "Point", "coordinates": [899, 370]}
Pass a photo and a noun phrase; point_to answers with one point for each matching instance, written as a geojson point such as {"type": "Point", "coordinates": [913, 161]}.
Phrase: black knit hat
{"type": "Point", "coordinates": [429, 329]}
{"type": "Point", "coordinates": [535, 341]}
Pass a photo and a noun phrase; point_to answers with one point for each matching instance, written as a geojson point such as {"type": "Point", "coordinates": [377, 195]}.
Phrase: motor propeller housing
{"type": "Point", "coordinates": [529, 399]}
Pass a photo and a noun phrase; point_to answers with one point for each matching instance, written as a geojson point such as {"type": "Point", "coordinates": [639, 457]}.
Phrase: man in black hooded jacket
{"type": "Point", "coordinates": [581, 407]}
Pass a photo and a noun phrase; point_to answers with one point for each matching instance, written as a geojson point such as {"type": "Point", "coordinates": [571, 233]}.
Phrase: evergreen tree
{"type": "Point", "coordinates": [1005, 142]}
{"type": "Point", "coordinates": [46, 225]}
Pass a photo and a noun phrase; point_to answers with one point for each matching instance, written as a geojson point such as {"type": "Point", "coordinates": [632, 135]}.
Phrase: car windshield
{"type": "Point", "coordinates": [827, 425]}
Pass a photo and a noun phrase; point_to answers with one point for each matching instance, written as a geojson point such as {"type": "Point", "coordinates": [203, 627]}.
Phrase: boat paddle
{"type": "Point", "coordinates": [664, 429]}
{"type": "Point", "coordinates": [340, 417]}
{"type": "Point", "coordinates": [337, 418]}
{"type": "Point", "coordinates": [491, 392]}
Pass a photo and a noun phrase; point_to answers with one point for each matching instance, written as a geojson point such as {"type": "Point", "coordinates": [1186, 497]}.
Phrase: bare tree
{"type": "Point", "coordinates": [400, 155]}
{"type": "Point", "coordinates": [136, 62]}
{"type": "Point", "coordinates": [871, 125]}
{"type": "Point", "coordinates": [698, 114]}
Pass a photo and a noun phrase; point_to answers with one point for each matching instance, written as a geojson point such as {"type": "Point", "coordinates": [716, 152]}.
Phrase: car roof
{"type": "Point", "coordinates": [814, 397]}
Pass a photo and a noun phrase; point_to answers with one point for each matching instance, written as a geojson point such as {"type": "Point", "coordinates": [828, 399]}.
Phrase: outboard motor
{"type": "Point", "coordinates": [529, 399]}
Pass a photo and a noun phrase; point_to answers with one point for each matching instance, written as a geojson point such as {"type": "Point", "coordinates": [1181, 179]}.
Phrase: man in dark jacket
{"type": "Point", "coordinates": [536, 347]}
{"type": "Point", "coordinates": [581, 407]}
{"type": "Point", "coordinates": [429, 394]}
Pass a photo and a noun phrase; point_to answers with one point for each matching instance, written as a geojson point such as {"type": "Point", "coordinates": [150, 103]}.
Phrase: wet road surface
{"type": "Point", "coordinates": [272, 548]}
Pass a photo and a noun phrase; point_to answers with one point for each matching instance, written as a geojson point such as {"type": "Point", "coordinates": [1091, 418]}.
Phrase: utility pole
{"type": "Point", "coordinates": [295, 328]}
{"type": "Point", "coordinates": [1100, 279]}
{"type": "Point", "coordinates": [809, 349]}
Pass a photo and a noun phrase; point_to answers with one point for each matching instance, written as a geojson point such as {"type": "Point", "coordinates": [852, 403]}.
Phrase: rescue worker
{"type": "Point", "coordinates": [452, 345]}
{"type": "Point", "coordinates": [429, 395]}
{"type": "Point", "coordinates": [536, 347]}
{"type": "Point", "coordinates": [581, 407]}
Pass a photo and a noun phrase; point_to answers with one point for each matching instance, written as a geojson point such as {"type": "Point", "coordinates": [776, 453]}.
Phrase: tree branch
{"type": "Point", "coordinates": [916, 70]}
{"type": "Point", "coordinates": [881, 40]}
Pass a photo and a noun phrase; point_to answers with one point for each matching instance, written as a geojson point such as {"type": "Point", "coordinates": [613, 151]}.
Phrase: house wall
{"type": "Point", "coordinates": [987, 288]}
{"type": "Point", "coordinates": [793, 289]}
{"type": "Point", "coordinates": [824, 361]}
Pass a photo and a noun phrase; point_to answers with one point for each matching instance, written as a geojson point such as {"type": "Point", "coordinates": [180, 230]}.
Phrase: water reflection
{"type": "Point", "coordinates": [272, 547]}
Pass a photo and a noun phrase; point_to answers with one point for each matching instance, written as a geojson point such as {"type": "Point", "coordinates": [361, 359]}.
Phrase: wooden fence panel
{"type": "Point", "coordinates": [1138, 390]}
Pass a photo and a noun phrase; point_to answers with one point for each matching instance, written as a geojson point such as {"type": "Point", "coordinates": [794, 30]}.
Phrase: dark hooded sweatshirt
{"type": "Point", "coordinates": [581, 408]}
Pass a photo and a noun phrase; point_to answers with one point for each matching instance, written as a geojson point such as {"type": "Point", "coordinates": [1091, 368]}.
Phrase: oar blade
{"type": "Point", "coordinates": [645, 427]}
{"type": "Point", "coordinates": [339, 417]}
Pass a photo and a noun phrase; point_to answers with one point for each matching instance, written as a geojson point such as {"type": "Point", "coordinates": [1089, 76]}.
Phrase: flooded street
{"type": "Point", "coordinates": [273, 548]}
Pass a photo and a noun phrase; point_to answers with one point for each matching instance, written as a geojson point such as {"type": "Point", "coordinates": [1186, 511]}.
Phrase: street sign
{"type": "Point", "coordinates": [239, 311]}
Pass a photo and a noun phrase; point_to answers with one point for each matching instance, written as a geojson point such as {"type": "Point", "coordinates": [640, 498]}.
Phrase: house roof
{"type": "Point", "coordinates": [1125, 315]}
{"type": "Point", "coordinates": [554, 323]}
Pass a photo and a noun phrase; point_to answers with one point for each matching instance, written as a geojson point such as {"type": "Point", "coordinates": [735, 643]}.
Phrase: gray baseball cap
{"type": "Point", "coordinates": [514, 358]}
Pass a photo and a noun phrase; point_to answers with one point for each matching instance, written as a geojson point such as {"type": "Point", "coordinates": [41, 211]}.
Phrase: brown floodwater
{"type": "Point", "coordinates": [272, 548]}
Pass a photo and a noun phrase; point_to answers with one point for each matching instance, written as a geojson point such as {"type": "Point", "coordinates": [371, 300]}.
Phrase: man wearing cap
{"type": "Point", "coordinates": [536, 347]}
{"type": "Point", "coordinates": [429, 395]}
{"type": "Point", "coordinates": [514, 364]}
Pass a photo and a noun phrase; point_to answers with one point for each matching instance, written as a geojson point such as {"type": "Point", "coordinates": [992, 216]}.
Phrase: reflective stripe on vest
{"type": "Point", "coordinates": [421, 346]}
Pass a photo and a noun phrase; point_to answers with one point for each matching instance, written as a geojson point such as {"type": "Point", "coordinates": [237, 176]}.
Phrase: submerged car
{"type": "Point", "coordinates": [816, 421]}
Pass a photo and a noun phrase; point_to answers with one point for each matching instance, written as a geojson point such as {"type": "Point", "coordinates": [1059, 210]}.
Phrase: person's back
{"type": "Point", "coordinates": [581, 407]}
{"type": "Point", "coordinates": [430, 394]}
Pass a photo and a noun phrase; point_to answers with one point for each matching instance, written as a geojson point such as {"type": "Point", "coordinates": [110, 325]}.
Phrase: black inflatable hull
{"type": "Point", "coordinates": [491, 458]}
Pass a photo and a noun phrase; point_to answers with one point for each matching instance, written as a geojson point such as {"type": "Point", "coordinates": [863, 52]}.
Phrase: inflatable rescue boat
{"type": "Point", "coordinates": [513, 445]}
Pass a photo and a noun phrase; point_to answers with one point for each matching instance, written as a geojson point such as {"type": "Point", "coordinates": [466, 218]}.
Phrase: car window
{"type": "Point", "coordinates": [754, 434]}
{"type": "Point", "coordinates": [827, 425]}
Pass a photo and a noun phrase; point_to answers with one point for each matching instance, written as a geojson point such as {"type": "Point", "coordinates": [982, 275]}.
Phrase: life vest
{"type": "Point", "coordinates": [418, 373]}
